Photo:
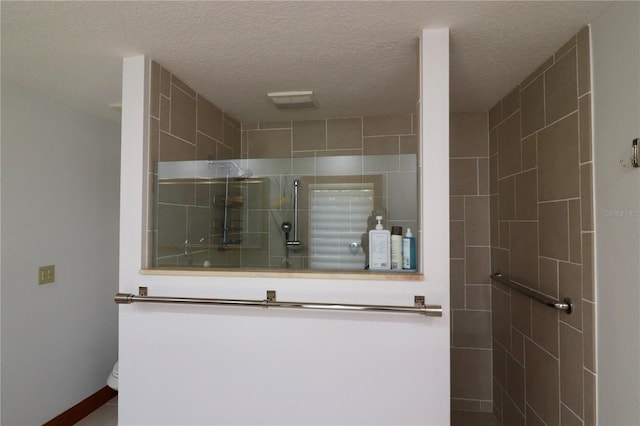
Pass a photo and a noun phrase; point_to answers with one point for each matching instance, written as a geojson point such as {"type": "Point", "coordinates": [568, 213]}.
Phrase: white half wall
{"type": "Point", "coordinates": [60, 179]}
{"type": "Point", "coordinates": [616, 108]}
{"type": "Point", "coordinates": [217, 365]}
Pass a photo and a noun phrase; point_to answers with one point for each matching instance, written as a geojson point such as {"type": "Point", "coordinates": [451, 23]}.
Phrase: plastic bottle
{"type": "Point", "coordinates": [409, 251]}
{"type": "Point", "coordinates": [396, 247]}
{"type": "Point", "coordinates": [379, 247]}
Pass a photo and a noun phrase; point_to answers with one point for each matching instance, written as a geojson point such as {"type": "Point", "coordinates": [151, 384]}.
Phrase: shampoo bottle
{"type": "Point", "coordinates": [409, 251]}
{"type": "Point", "coordinates": [396, 247]}
{"type": "Point", "coordinates": [379, 247]}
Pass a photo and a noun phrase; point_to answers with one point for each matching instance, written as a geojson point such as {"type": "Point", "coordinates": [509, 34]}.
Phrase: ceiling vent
{"type": "Point", "coordinates": [293, 100]}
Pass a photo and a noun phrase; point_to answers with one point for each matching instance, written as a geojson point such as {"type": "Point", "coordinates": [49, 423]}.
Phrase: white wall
{"type": "Point", "coordinates": [616, 101]}
{"type": "Point", "coordinates": [60, 182]}
{"type": "Point", "coordinates": [215, 365]}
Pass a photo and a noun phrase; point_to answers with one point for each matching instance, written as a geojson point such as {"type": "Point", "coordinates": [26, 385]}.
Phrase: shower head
{"type": "Point", "coordinates": [229, 168]}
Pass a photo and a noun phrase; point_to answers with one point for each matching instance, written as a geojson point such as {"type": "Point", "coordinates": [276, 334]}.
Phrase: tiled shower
{"type": "Point", "coordinates": [521, 203]}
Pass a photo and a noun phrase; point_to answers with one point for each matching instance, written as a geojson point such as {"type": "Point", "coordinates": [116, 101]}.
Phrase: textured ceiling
{"type": "Point", "coordinates": [360, 58]}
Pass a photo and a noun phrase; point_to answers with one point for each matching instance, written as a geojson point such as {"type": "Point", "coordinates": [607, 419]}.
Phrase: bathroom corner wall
{"type": "Point", "coordinates": [183, 126]}
{"type": "Point", "coordinates": [470, 263]}
{"type": "Point", "coordinates": [542, 237]}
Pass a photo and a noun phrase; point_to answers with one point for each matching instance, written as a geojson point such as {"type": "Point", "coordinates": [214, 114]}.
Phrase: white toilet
{"type": "Point", "coordinates": [112, 380]}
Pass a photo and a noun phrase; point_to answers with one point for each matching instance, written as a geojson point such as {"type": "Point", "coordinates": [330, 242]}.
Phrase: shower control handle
{"type": "Point", "coordinates": [354, 247]}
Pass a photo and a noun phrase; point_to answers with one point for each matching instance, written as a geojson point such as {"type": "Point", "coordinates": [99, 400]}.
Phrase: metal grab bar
{"type": "Point", "coordinates": [566, 304]}
{"type": "Point", "coordinates": [271, 302]}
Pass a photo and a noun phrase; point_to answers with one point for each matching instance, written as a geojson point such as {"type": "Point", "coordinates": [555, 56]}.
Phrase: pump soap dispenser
{"type": "Point", "coordinates": [379, 247]}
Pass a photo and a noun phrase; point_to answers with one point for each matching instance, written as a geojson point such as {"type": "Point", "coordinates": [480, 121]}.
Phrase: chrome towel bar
{"type": "Point", "coordinates": [270, 301]}
{"type": "Point", "coordinates": [565, 305]}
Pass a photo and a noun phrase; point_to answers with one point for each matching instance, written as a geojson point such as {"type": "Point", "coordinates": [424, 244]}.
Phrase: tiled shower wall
{"type": "Point", "coordinates": [542, 236]}
{"type": "Point", "coordinates": [358, 140]}
{"type": "Point", "coordinates": [470, 263]}
{"type": "Point", "coordinates": [183, 126]}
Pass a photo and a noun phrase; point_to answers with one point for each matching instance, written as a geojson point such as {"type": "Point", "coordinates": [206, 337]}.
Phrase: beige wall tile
{"type": "Point", "coordinates": [478, 297]}
{"type": "Point", "coordinates": [498, 396]}
{"type": "Point", "coordinates": [541, 69]}
{"type": "Point", "coordinates": [205, 147]}
{"type": "Point", "coordinates": [483, 176]}
{"type": "Point", "coordinates": [500, 321]}
{"type": "Point", "coordinates": [521, 313]}
{"type": "Point", "coordinates": [456, 239]}
{"type": "Point", "coordinates": [588, 291]}
{"type": "Point", "coordinates": [565, 48]}
{"type": "Point", "coordinates": [463, 177]}
{"type": "Point", "coordinates": [493, 141]}
{"type": "Point", "coordinates": [478, 265]}
{"type": "Point", "coordinates": [554, 230]}
{"type": "Point", "coordinates": [586, 196]}
{"type": "Point", "coordinates": [515, 384]}
{"type": "Point", "coordinates": [524, 253]}
{"type": "Point", "coordinates": [529, 152]}
{"type": "Point", "coordinates": [409, 144]}
{"type": "Point", "coordinates": [339, 152]}
{"type": "Point", "coordinates": [509, 149]}
{"type": "Point", "coordinates": [542, 378]}
{"type": "Point", "coordinates": [493, 221]}
{"type": "Point", "coordinates": [471, 329]}
{"type": "Point", "coordinates": [173, 149]}
{"type": "Point", "coordinates": [567, 418]}
{"type": "Point", "coordinates": [209, 119]}
{"type": "Point", "coordinates": [571, 379]}
{"type": "Point", "coordinates": [511, 102]}
{"type": "Point", "coordinates": [269, 144]}
{"type": "Point", "coordinates": [589, 338]}
{"type": "Point", "coordinates": [183, 115]}
{"type": "Point", "coordinates": [232, 138]}
{"type": "Point", "coordinates": [165, 82]}
{"type": "Point", "coordinates": [154, 90]}
{"type": "Point", "coordinates": [558, 176]}
{"type": "Point", "coordinates": [165, 114]}
{"type": "Point", "coordinates": [468, 135]}
{"type": "Point", "coordinates": [381, 145]}
{"type": "Point", "coordinates": [456, 208]}
{"type": "Point", "coordinates": [467, 373]}
{"type": "Point", "coordinates": [184, 87]}
{"type": "Point", "coordinates": [457, 288]}
{"type": "Point", "coordinates": [533, 419]}
{"type": "Point", "coordinates": [583, 54]}
{"type": "Point", "coordinates": [274, 125]}
{"type": "Point", "coordinates": [309, 135]}
{"type": "Point", "coordinates": [500, 261]}
{"type": "Point", "coordinates": [154, 142]}
{"type": "Point", "coordinates": [507, 198]}
{"type": "Point", "coordinates": [589, 398]}
{"type": "Point", "coordinates": [585, 128]}
{"type": "Point", "coordinates": [500, 365]}
{"type": "Point", "coordinates": [517, 346]}
{"type": "Point", "coordinates": [561, 97]}
{"type": "Point", "coordinates": [510, 414]}
{"type": "Point", "coordinates": [526, 191]}
{"type": "Point", "coordinates": [495, 115]}
{"type": "Point", "coordinates": [570, 284]}
{"type": "Point", "coordinates": [387, 125]}
{"type": "Point", "coordinates": [532, 107]}
{"type": "Point", "coordinates": [232, 120]}
{"type": "Point", "coordinates": [549, 276]}
{"type": "Point", "coordinates": [545, 327]}
{"type": "Point", "coordinates": [504, 234]}
{"type": "Point", "coordinates": [344, 133]}
{"type": "Point", "coordinates": [223, 152]}
{"type": "Point", "coordinates": [575, 234]}
{"type": "Point", "coordinates": [493, 174]}
{"type": "Point", "coordinates": [477, 221]}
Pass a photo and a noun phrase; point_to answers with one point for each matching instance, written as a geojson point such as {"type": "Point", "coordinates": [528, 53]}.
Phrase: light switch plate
{"type": "Point", "coordinates": [46, 274]}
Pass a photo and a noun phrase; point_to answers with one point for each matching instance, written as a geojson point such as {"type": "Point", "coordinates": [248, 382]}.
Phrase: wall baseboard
{"type": "Point", "coordinates": [83, 408]}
